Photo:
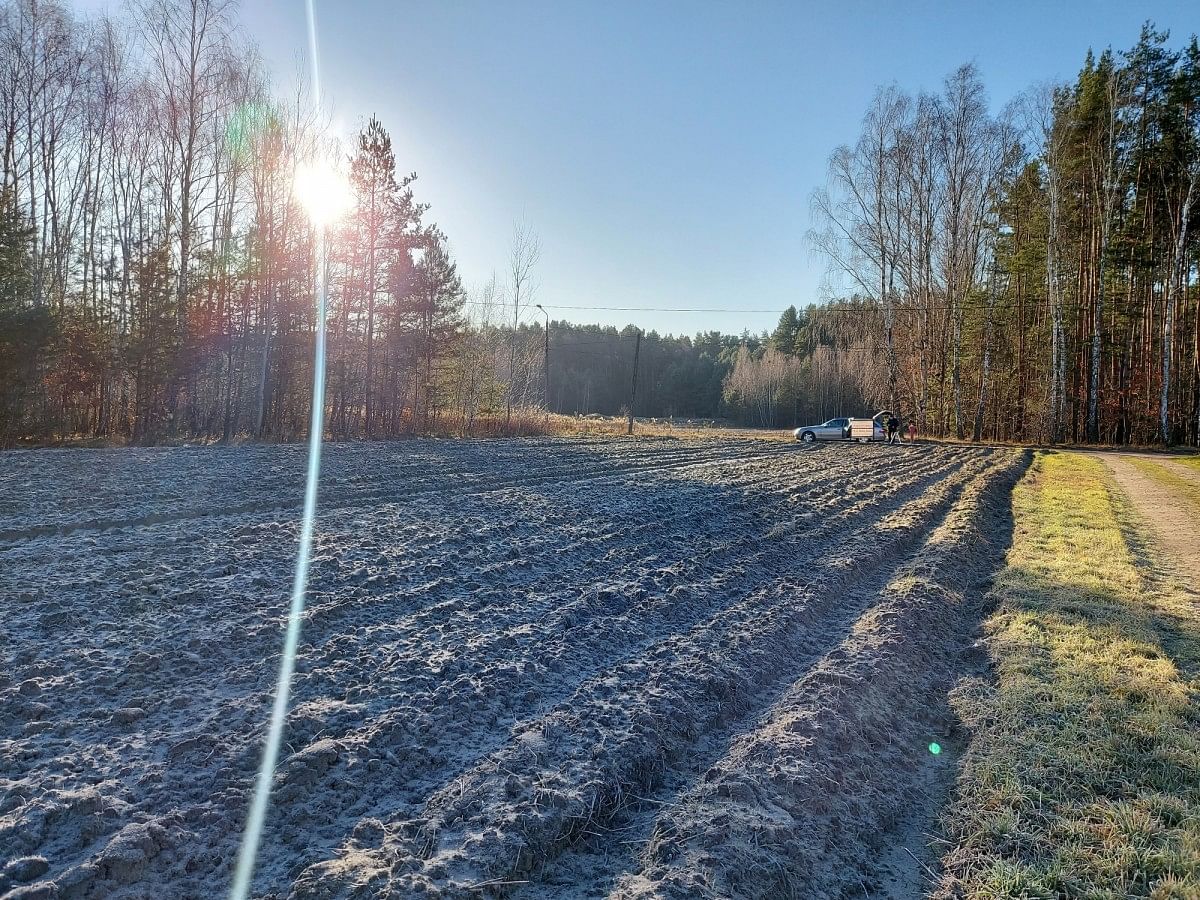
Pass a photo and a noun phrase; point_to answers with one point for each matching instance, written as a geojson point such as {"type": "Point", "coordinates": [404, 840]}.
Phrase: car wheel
{"type": "Point", "coordinates": [808, 437]}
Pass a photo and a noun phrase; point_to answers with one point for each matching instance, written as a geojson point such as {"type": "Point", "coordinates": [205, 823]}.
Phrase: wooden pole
{"type": "Point", "coordinates": [637, 347]}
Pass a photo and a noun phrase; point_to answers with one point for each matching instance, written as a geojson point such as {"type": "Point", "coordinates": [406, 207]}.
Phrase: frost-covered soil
{"type": "Point", "coordinates": [528, 668]}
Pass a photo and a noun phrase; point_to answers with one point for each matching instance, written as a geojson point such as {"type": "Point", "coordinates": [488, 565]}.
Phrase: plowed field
{"type": "Point", "coordinates": [528, 668]}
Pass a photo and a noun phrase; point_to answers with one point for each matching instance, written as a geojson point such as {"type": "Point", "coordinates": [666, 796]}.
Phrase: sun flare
{"type": "Point", "coordinates": [323, 191]}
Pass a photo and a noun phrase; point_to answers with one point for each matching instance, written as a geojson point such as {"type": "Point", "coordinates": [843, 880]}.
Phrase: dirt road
{"type": "Point", "coordinates": [542, 668]}
{"type": "Point", "coordinates": [1173, 519]}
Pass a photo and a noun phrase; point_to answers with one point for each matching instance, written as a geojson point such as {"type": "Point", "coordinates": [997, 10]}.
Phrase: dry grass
{"type": "Point", "coordinates": [1082, 778]}
{"type": "Point", "coordinates": [683, 429]}
{"type": "Point", "coordinates": [535, 422]}
{"type": "Point", "coordinates": [524, 422]}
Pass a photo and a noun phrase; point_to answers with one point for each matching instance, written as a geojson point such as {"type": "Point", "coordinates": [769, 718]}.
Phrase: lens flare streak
{"type": "Point", "coordinates": [252, 835]}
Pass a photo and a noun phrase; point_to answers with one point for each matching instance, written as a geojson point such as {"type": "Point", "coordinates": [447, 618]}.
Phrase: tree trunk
{"type": "Point", "coordinates": [1174, 276]}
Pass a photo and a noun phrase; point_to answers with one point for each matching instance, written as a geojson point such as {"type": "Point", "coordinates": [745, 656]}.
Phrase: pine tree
{"type": "Point", "coordinates": [385, 219]}
{"type": "Point", "coordinates": [436, 309]}
{"type": "Point", "coordinates": [783, 338]}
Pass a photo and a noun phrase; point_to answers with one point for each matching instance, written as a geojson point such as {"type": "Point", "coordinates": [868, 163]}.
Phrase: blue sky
{"type": "Point", "coordinates": [664, 151]}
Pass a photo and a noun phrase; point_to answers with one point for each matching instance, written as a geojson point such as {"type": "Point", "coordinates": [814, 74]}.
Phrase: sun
{"type": "Point", "coordinates": [323, 192]}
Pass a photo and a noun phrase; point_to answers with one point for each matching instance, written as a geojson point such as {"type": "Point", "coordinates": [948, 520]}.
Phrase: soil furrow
{"type": "Point", "coordinates": [459, 482]}
{"type": "Point", "coordinates": [582, 616]}
{"type": "Point", "coordinates": [578, 764]}
{"type": "Point", "coordinates": [466, 708]}
{"type": "Point", "coordinates": [822, 795]}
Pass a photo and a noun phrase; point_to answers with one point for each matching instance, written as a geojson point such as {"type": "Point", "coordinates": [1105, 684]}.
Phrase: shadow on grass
{"type": "Point", "coordinates": [1083, 775]}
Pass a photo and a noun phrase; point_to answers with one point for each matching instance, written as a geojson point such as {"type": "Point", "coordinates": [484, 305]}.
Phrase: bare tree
{"type": "Point", "coordinates": [1176, 280]}
{"type": "Point", "coordinates": [1103, 161]}
{"type": "Point", "coordinates": [477, 349]}
{"type": "Point", "coordinates": [856, 214]}
{"type": "Point", "coordinates": [192, 61]}
{"type": "Point", "coordinates": [1038, 107]}
{"type": "Point", "coordinates": [523, 256]}
{"type": "Point", "coordinates": [969, 158]}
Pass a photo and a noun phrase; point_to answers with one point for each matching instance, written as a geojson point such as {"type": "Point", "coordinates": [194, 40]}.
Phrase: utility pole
{"type": "Point", "coordinates": [637, 347]}
{"type": "Point", "coordinates": [546, 357]}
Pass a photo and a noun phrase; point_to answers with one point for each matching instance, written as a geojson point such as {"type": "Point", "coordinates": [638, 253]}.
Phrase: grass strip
{"type": "Point", "coordinates": [1082, 777]}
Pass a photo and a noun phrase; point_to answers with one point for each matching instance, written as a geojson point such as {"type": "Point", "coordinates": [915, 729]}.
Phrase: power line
{"type": "Point", "coordinates": [632, 308]}
{"type": "Point", "coordinates": [1030, 303]}
{"type": "Point", "coordinates": [658, 309]}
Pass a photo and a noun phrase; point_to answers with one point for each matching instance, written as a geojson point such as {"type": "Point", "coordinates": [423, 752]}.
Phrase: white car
{"type": "Point", "coordinates": [833, 430]}
{"type": "Point", "coordinates": [844, 429]}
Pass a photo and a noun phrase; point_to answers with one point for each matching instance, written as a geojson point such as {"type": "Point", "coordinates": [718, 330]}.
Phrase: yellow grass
{"type": "Point", "coordinates": [1082, 778]}
{"type": "Point", "coordinates": [684, 429]}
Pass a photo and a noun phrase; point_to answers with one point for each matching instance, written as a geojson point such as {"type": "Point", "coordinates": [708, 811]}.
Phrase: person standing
{"type": "Point", "coordinates": [893, 429]}
{"type": "Point", "coordinates": [912, 432]}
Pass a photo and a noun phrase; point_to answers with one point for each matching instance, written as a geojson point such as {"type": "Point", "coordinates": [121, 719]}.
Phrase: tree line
{"type": "Point", "coordinates": [157, 271]}
{"type": "Point", "coordinates": [1027, 275]}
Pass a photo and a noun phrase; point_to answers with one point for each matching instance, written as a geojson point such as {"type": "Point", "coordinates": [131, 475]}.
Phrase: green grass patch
{"type": "Point", "coordinates": [1082, 778]}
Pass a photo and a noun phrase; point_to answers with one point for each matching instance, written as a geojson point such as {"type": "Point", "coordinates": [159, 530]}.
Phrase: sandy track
{"type": "Point", "coordinates": [1167, 515]}
{"type": "Point", "coordinates": [507, 644]}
